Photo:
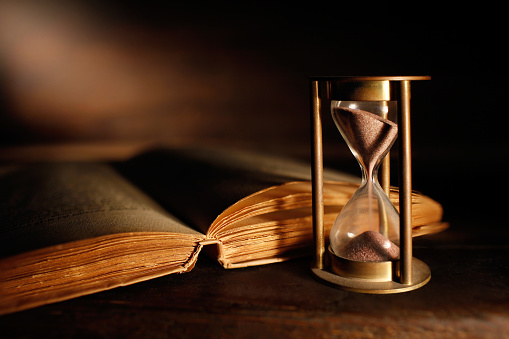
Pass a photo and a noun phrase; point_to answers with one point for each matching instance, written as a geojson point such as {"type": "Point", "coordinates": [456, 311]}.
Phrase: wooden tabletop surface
{"type": "Point", "coordinates": [467, 297]}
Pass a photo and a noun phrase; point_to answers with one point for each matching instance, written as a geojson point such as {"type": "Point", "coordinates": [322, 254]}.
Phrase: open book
{"type": "Point", "coordinates": [70, 229]}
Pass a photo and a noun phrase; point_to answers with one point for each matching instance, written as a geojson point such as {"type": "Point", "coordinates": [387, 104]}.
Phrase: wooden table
{"type": "Point", "coordinates": [467, 297]}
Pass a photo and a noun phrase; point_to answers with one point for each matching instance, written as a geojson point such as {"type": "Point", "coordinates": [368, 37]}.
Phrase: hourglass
{"type": "Point", "coordinates": [370, 247]}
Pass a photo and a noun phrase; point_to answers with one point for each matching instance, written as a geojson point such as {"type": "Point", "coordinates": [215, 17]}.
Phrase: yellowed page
{"type": "Point", "coordinates": [74, 269]}
{"type": "Point", "coordinates": [51, 204]}
{"type": "Point", "coordinates": [73, 229]}
{"type": "Point", "coordinates": [196, 185]}
{"type": "Point", "coordinates": [221, 192]}
{"type": "Point", "coordinates": [276, 224]}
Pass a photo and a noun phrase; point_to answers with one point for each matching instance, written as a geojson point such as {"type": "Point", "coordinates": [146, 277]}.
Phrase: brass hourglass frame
{"type": "Point", "coordinates": [407, 273]}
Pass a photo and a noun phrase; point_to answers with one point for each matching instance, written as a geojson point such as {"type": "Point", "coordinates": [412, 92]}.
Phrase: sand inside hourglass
{"type": "Point", "coordinates": [369, 138]}
{"type": "Point", "coordinates": [370, 246]}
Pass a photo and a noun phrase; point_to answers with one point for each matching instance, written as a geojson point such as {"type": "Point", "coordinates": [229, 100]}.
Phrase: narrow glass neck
{"type": "Point", "coordinates": [369, 171]}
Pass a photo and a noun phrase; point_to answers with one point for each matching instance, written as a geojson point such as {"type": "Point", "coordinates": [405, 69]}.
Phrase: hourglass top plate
{"type": "Point", "coordinates": [372, 78]}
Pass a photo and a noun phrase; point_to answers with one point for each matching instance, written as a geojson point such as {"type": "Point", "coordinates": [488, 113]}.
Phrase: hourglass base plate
{"type": "Point", "coordinates": [421, 274]}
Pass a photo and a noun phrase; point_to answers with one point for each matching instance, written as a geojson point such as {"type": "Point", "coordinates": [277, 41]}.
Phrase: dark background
{"type": "Point", "coordinates": [104, 79]}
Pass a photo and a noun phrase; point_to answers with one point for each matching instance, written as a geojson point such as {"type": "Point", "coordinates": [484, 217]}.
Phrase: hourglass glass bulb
{"type": "Point", "coordinates": [367, 229]}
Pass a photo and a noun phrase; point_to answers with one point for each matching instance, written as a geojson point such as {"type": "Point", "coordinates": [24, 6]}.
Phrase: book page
{"type": "Point", "coordinates": [257, 207]}
{"type": "Point", "coordinates": [276, 224]}
{"type": "Point", "coordinates": [197, 185]}
{"type": "Point", "coordinates": [49, 204]}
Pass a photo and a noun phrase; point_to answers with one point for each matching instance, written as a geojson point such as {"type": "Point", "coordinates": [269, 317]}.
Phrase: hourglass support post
{"type": "Point", "coordinates": [317, 175]}
{"type": "Point", "coordinates": [385, 168]}
{"type": "Point", "coordinates": [405, 193]}
{"type": "Point", "coordinates": [385, 180]}
{"type": "Point", "coordinates": [385, 175]}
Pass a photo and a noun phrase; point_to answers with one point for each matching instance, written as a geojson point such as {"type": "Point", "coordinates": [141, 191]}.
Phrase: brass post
{"type": "Point", "coordinates": [385, 180]}
{"type": "Point", "coordinates": [405, 193]}
{"type": "Point", "coordinates": [386, 174]}
{"type": "Point", "coordinates": [317, 175]}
